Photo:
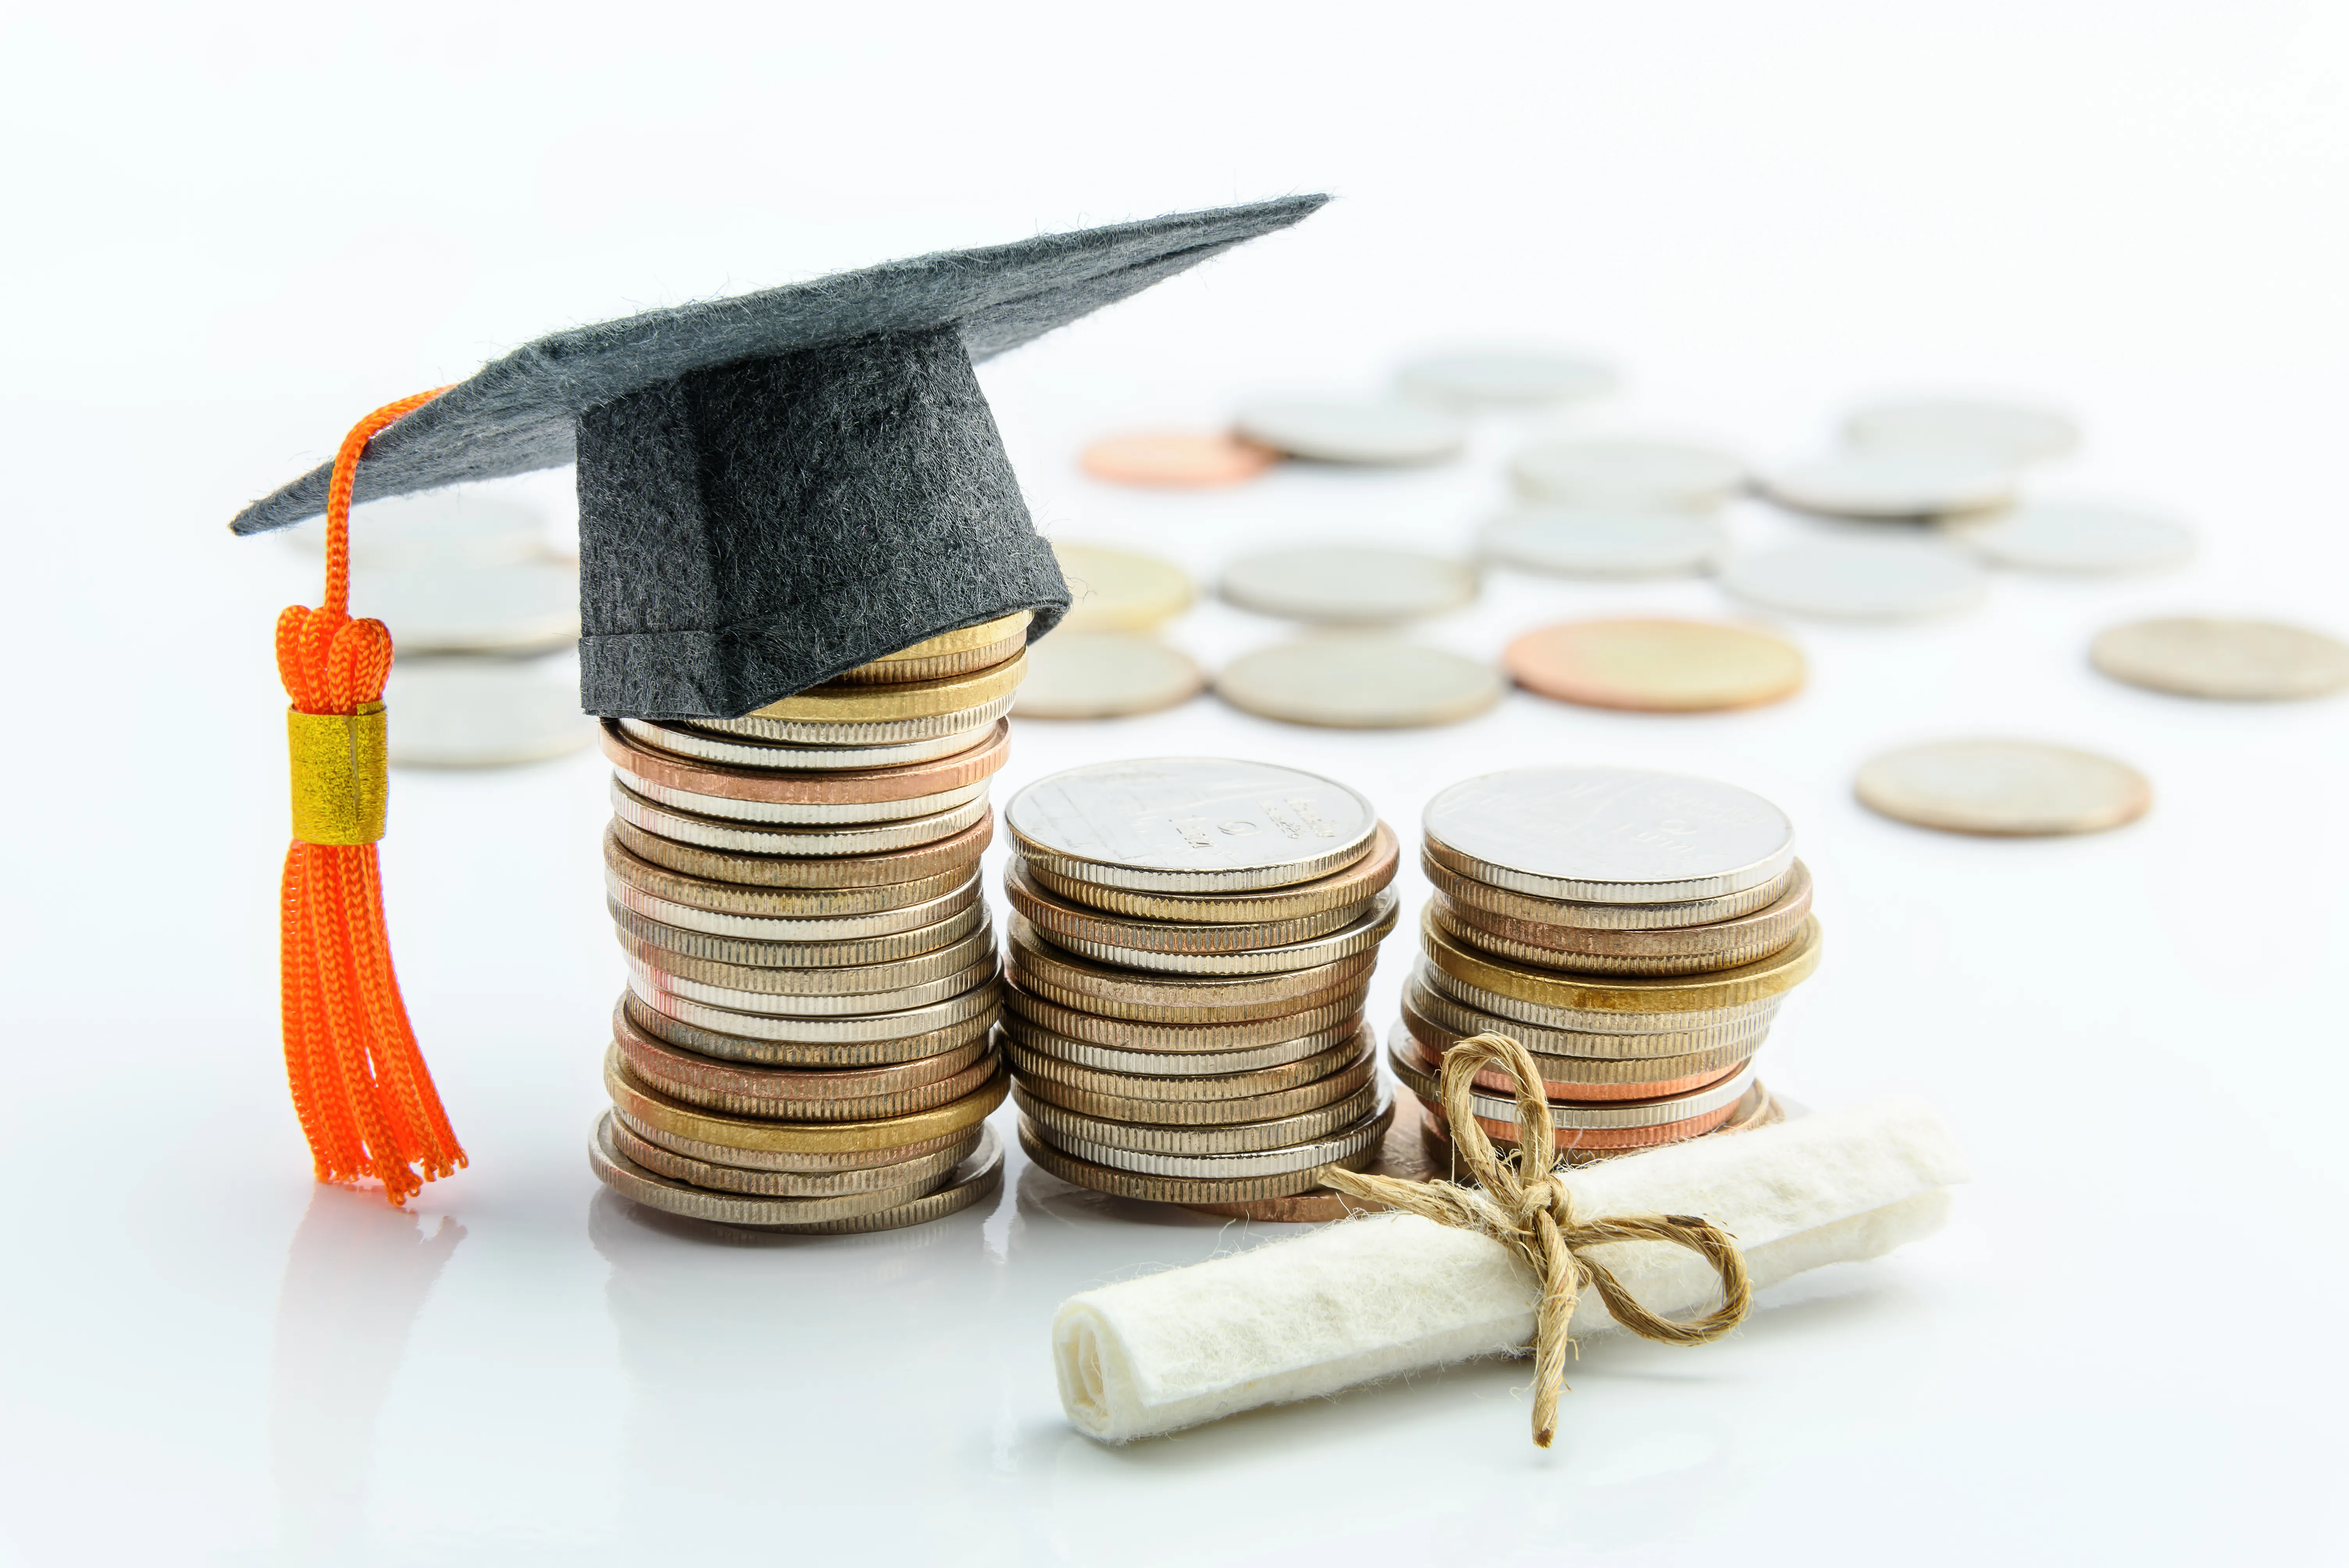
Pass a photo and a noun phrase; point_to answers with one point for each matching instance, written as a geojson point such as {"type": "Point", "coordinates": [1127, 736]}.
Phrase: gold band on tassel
{"type": "Point", "coordinates": [340, 775]}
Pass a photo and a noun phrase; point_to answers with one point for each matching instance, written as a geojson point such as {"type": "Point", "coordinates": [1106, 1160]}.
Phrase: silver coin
{"type": "Point", "coordinates": [436, 529]}
{"type": "Point", "coordinates": [802, 813]}
{"type": "Point", "coordinates": [829, 1055]}
{"type": "Point", "coordinates": [785, 929]}
{"type": "Point", "coordinates": [1353, 585]}
{"type": "Point", "coordinates": [2003, 787]}
{"type": "Point", "coordinates": [982, 1001]}
{"type": "Point", "coordinates": [1176, 1064]}
{"type": "Point", "coordinates": [1633, 1034]}
{"type": "Point", "coordinates": [1190, 824]}
{"type": "Point", "coordinates": [1476, 894]}
{"type": "Point", "coordinates": [519, 606]}
{"type": "Point", "coordinates": [1894, 482]}
{"type": "Point", "coordinates": [1743, 1036]}
{"type": "Point", "coordinates": [871, 732]}
{"type": "Point", "coordinates": [483, 712]}
{"type": "Point", "coordinates": [1504, 378]}
{"type": "Point", "coordinates": [856, 838]}
{"type": "Point", "coordinates": [1363, 933]}
{"type": "Point", "coordinates": [1359, 683]}
{"type": "Point", "coordinates": [1054, 1124]}
{"type": "Point", "coordinates": [2005, 432]}
{"type": "Point", "coordinates": [683, 741]}
{"type": "Point", "coordinates": [657, 981]}
{"type": "Point", "coordinates": [1593, 1116]}
{"type": "Point", "coordinates": [1341, 430]}
{"type": "Point", "coordinates": [1528, 955]}
{"type": "Point", "coordinates": [822, 980]}
{"type": "Point", "coordinates": [1858, 579]}
{"type": "Point", "coordinates": [758, 955]}
{"type": "Point", "coordinates": [1608, 835]}
{"type": "Point", "coordinates": [1104, 674]}
{"type": "Point", "coordinates": [977, 1179]}
{"type": "Point", "coordinates": [1627, 472]}
{"type": "Point", "coordinates": [2079, 536]}
{"type": "Point", "coordinates": [2226, 660]}
{"type": "Point", "coordinates": [1342, 1145]}
{"type": "Point", "coordinates": [1603, 542]}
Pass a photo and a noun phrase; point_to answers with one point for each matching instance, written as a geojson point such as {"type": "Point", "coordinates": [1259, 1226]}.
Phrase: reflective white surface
{"type": "Point", "coordinates": [2122, 1351]}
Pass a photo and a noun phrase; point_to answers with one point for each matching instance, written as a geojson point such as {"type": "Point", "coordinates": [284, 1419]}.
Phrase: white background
{"type": "Point", "coordinates": [233, 230]}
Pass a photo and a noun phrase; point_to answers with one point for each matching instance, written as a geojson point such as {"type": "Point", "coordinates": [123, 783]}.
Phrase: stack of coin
{"type": "Point", "coordinates": [1190, 944]}
{"type": "Point", "coordinates": [1635, 931]}
{"type": "Point", "coordinates": [804, 1043]}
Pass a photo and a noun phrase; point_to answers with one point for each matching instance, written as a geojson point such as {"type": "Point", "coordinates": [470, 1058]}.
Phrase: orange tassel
{"type": "Point", "coordinates": [359, 1083]}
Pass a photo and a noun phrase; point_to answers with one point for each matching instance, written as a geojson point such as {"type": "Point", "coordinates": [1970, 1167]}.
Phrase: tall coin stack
{"type": "Point", "coordinates": [804, 1042]}
{"type": "Point", "coordinates": [1190, 944]}
{"type": "Point", "coordinates": [1635, 931]}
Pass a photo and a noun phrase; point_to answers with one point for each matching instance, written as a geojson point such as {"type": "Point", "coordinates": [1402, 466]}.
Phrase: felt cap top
{"type": "Point", "coordinates": [778, 486]}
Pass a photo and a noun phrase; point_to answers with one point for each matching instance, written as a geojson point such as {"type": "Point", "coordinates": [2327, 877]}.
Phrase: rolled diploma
{"type": "Point", "coordinates": [1387, 1294]}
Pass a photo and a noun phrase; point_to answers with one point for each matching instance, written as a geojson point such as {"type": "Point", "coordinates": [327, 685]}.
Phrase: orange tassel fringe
{"type": "Point", "coordinates": [359, 1083]}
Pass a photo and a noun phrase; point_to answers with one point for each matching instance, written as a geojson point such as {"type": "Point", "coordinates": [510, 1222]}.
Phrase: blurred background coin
{"type": "Point", "coordinates": [1335, 430]}
{"type": "Point", "coordinates": [435, 528]}
{"type": "Point", "coordinates": [1502, 379]}
{"type": "Point", "coordinates": [1358, 682]}
{"type": "Point", "coordinates": [1895, 482]}
{"type": "Point", "coordinates": [1349, 585]}
{"type": "Point", "coordinates": [2003, 432]}
{"type": "Point", "coordinates": [2073, 536]}
{"type": "Point", "coordinates": [1656, 665]}
{"type": "Point", "coordinates": [521, 606]}
{"type": "Point", "coordinates": [2007, 788]}
{"type": "Point", "coordinates": [1627, 470]}
{"type": "Point", "coordinates": [1890, 579]}
{"type": "Point", "coordinates": [1594, 541]}
{"type": "Point", "coordinates": [483, 712]}
{"type": "Point", "coordinates": [1104, 674]}
{"type": "Point", "coordinates": [1176, 460]}
{"type": "Point", "coordinates": [2232, 660]}
{"type": "Point", "coordinates": [1118, 589]}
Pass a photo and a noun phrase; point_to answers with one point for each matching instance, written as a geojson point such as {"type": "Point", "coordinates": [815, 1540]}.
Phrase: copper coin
{"type": "Point", "coordinates": [1134, 1034]}
{"type": "Point", "coordinates": [947, 653]}
{"type": "Point", "coordinates": [734, 898]}
{"type": "Point", "coordinates": [974, 951]}
{"type": "Point", "coordinates": [1172, 1190]}
{"type": "Point", "coordinates": [1058, 1124]}
{"type": "Point", "coordinates": [1656, 665]}
{"type": "Point", "coordinates": [1470, 893]}
{"type": "Point", "coordinates": [1151, 1064]}
{"type": "Point", "coordinates": [1349, 888]}
{"type": "Point", "coordinates": [653, 774]}
{"type": "Point", "coordinates": [743, 1170]}
{"type": "Point", "coordinates": [684, 825]}
{"type": "Point", "coordinates": [1723, 944]}
{"type": "Point", "coordinates": [1177, 461]}
{"type": "Point", "coordinates": [1405, 1154]}
{"type": "Point", "coordinates": [717, 1043]}
{"type": "Point", "coordinates": [847, 951]}
{"type": "Point", "coordinates": [1034, 1067]}
{"type": "Point", "coordinates": [1106, 989]}
{"type": "Point", "coordinates": [956, 852]}
{"type": "Point", "coordinates": [715, 1086]}
{"type": "Point", "coordinates": [1579, 1079]}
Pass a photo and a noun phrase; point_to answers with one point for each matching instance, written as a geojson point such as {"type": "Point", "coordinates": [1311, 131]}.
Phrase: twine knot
{"type": "Point", "coordinates": [1534, 1217]}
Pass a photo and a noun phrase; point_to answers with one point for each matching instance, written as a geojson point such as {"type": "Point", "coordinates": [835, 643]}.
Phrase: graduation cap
{"type": "Point", "coordinates": [773, 488]}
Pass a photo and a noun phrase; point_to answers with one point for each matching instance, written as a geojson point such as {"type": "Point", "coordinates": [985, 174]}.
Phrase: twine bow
{"type": "Point", "coordinates": [1535, 1218]}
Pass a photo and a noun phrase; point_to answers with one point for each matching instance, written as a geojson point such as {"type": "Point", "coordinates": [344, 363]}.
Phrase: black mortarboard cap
{"type": "Point", "coordinates": [778, 487]}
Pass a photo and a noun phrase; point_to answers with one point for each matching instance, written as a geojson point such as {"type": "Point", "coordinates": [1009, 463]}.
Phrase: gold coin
{"type": "Point", "coordinates": [614, 1144]}
{"type": "Point", "coordinates": [803, 1053]}
{"type": "Point", "coordinates": [972, 951]}
{"type": "Point", "coordinates": [1110, 991]}
{"type": "Point", "coordinates": [1034, 1067]}
{"type": "Point", "coordinates": [1171, 460]}
{"type": "Point", "coordinates": [1176, 1190]}
{"type": "Point", "coordinates": [956, 852]}
{"type": "Point", "coordinates": [703, 944]}
{"type": "Point", "coordinates": [1355, 1063]}
{"type": "Point", "coordinates": [1656, 665]}
{"type": "Point", "coordinates": [862, 732]}
{"type": "Point", "coordinates": [980, 1002]}
{"type": "Point", "coordinates": [1057, 1123]}
{"type": "Point", "coordinates": [790, 929]}
{"type": "Point", "coordinates": [2227, 660]}
{"type": "Point", "coordinates": [784, 1094]}
{"type": "Point", "coordinates": [1106, 674]}
{"type": "Point", "coordinates": [2006, 788]}
{"type": "Point", "coordinates": [733, 898]}
{"type": "Point", "coordinates": [947, 653]}
{"type": "Point", "coordinates": [679, 739]}
{"type": "Point", "coordinates": [657, 982]}
{"type": "Point", "coordinates": [1118, 591]}
{"type": "Point", "coordinates": [1359, 681]}
{"type": "Point", "coordinates": [648, 1107]}
{"type": "Point", "coordinates": [977, 1179]}
{"type": "Point", "coordinates": [846, 1165]}
{"type": "Point", "coordinates": [1134, 1034]}
{"type": "Point", "coordinates": [910, 1177]}
{"type": "Point", "coordinates": [1773, 976]}
{"type": "Point", "coordinates": [1066, 923]}
{"type": "Point", "coordinates": [1044, 1043]}
{"type": "Point", "coordinates": [1686, 950]}
{"type": "Point", "coordinates": [1468, 893]}
{"type": "Point", "coordinates": [846, 703]}
{"type": "Point", "coordinates": [1351, 887]}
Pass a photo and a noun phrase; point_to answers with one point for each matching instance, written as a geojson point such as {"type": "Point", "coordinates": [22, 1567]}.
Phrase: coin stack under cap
{"type": "Point", "coordinates": [804, 1043]}
{"type": "Point", "coordinates": [1635, 931]}
{"type": "Point", "coordinates": [1190, 944]}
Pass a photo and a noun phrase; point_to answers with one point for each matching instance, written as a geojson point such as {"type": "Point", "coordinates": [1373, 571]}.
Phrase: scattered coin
{"type": "Point", "coordinates": [2003, 432]}
{"type": "Point", "coordinates": [2006, 788]}
{"type": "Point", "coordinates": [1118, 589]}
{"type": "Point", "coordinates": [1336, 430]}
{"type": "Point", "coordinates": [1190, 824]}
{"type": "Point", "coordinates": [2238, 661]}
{"type": "Point", "coordinates": [1627, 472]}
{"type": "Point", "coordinates": [1104, 674]}
{"type": "Point", "coordinates": [1176, 461]}
{"type": "Point", "coordinates": [1588, 542]}
{"type": "Point", "coordinates": [1348, 585]}
{"type": "Point", "coordinates": [2080, 537]}
{"type": "Point", "coordinates": [483, 712]}
{"type": "Point", "coordinates": [1895, 482]}
{"type": "Point", "coordinates": [1858, 579]}
{"type": "Point", "coordinates": [1359, 683]}
{"type": "Point", "coordinates": [521, 606]}
{"type": "Point", "coordinates": [1504, 378]}
{"type": "Point", "coordinates": [1656, 666]}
